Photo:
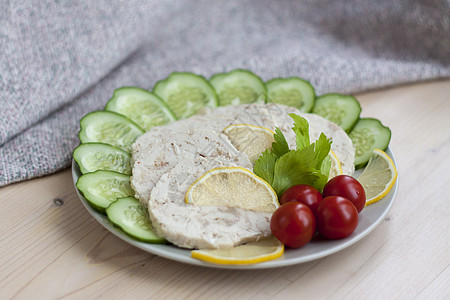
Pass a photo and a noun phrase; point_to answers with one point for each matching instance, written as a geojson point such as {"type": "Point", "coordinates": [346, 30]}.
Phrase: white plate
{"type": "Point", "coordinates": [369, 218]}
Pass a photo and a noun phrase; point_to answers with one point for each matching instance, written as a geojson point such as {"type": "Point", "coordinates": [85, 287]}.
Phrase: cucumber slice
{"type": "Point", "coordinates": [91, 157]}
{"type": "Point", "coordinates": [132, 217]}
{"type": "Point", "coordinates": [186, 93]}
{"type": "Point", "coordinates": [141, 106]}
{"type": "Point", "coordinates": [101, 188]}
{"type": "Point", "coordinates": [109, 128]}
{"type": "Point", "coordinates": [367, 135]}
{"type": "Point", "coordinates": [239, 87]}
{"type": "Point", "coordinates": [340, 109]}
{"type": "Point", "coordinates": [292, 91]}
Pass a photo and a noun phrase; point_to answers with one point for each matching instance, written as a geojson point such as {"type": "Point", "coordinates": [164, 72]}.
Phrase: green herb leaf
{"type": "Point", "coordinates": [265, 166]}
{"type": "Point", "coordinates": [326, 166]}
{"type": "Point", "coordinates": [309, 164]}
{"type": "Point", "coordinates": [301, 130]}
{"type": "Point", "coordinates": [280, 147]}
{"type": "Point", "coordinates": [322, 148]}
{"type": "Point", "coordinates": [295, 167]}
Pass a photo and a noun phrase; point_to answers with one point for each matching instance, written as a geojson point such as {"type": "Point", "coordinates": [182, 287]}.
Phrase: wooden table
{"type": "Point", "coordinates": [49, 250]}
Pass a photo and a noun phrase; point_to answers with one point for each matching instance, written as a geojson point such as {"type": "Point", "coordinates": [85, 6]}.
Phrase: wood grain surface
{"type": "Point", "coordinates": [51, 247]}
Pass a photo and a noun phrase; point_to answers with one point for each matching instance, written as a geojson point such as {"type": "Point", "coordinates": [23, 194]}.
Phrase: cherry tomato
{"type": "Point", "coordinates": [302, 193]}
{"type": "Point", "coordinates": [347, 187]}
{"type": "Point", "coordinates": [336, 217]}
{"type": "Point", "coordinates": [293, 224]}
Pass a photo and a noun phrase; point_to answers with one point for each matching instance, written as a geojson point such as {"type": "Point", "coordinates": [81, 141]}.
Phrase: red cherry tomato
{"type": "Point", "coordinates": [347, 187]}
{"type": "Point", "coordinates": [293, 224]}
{"type": "Point", "coordinates": [336, 217]}
{"type": "Point", "coordinates": [302, 193]}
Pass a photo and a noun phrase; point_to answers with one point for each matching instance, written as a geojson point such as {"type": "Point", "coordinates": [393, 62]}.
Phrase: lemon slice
{"type": "Point", "coordinates": [336, 167]}
{"type": "Point", "coordinates": [233, 187]}
{"type": "Point", "coordinates": [378, 177]}
{"type": "Point", "coordinates": [252, 140]}
{"type": "Point", "coordinates": [250, 253]}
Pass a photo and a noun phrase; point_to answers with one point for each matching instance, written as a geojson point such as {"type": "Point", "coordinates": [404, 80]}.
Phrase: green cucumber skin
{"type": "Point", "coordinates": [100, 204]}
{"type": "Point", "coordinates": [111, 105]}
{"type": "Point", "coordinates": [328, 97]}
{"type": "Point", "coordinates": [217, 79]}
{"type": "Point", "coordinates": [106, 115]}
{"type": "Point", "coordinates": [88, 148]}
{"type": "Point", "coordinates": [116, 214]}
{"type": "Point", "coordinates": [309, 104]}
{"type": "Point", "coordinates": [380, 133]}
{"type": "Point", "coordinates": [160, 89]}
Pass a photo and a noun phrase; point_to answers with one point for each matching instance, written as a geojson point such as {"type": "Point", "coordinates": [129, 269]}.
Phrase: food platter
{"type": "Point", "coordinates": [369, 219]}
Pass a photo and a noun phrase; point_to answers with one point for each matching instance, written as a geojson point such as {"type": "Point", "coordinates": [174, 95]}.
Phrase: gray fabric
{"type": "Point", "coordinates": [62, 59]}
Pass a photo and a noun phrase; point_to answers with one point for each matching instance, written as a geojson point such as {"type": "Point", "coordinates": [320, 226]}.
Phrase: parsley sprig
{"type": "Point", "coordinates": [308, 164]}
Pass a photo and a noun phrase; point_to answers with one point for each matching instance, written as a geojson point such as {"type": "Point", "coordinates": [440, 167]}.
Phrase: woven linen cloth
{"type": "Point", "coordinates": [62, 59]}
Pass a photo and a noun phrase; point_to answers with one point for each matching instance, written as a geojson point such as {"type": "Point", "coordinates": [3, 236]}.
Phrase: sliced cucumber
{"type": "Point", "coordinates": [340, 109]}
{"type": "Point", "coordinates": [143, 107]}
{"type": "Point", "coordinates": [186, 93]}
{"type": "Point", "coordinates": [109, 128]}
{"type": "Point", "coordinates": [367, 135]}
{"type": "Point", "coordinates": [91, 157]}
{"type": "Point", "coordinates": [292, 91]}
{"type": "Point", "coordinates": [132, 217]}
{"type": "Point", "coordinates": [101, 188]}
{"type": "Point", "coordinates": [239, 87]}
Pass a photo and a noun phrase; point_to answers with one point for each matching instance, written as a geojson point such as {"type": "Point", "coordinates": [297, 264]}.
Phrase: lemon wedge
{"type": "Point", "coordinates": [233, 187]}
{"type": "Point", "coordinates": [250, 139]}
{"type": "Point", "coordinates": [336, 167]}
{"type": "Point", "coordinates": [250, 253]}
{"type": "Point", "coordinates": [378, 177]}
